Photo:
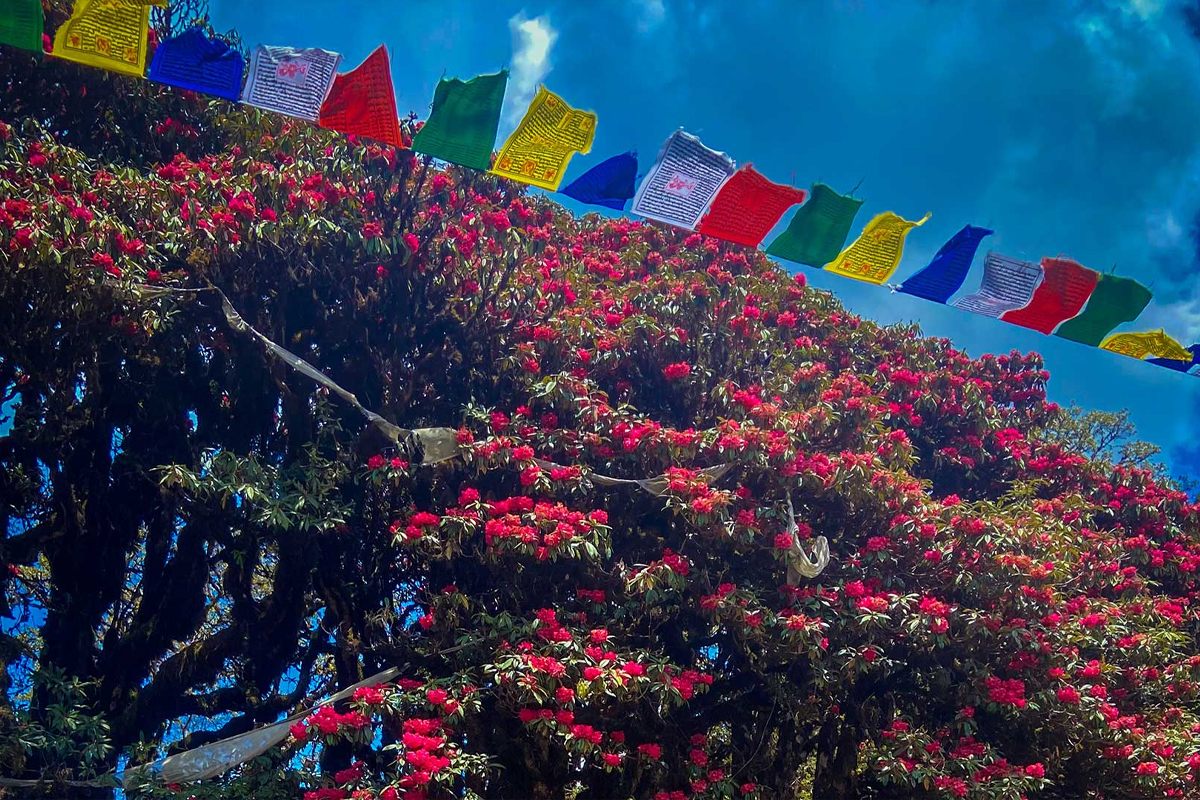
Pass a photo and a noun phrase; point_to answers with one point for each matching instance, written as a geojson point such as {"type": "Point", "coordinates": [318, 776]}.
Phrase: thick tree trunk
{"type": "Point", "coordinates": [837, 761]}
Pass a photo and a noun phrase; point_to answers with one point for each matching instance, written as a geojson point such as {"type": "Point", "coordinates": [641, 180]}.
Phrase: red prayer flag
{"type": "Point", "coordinates": [747, 207]}
{"type": "Point", "coordinates": [1061, 296]}
{"type": "Point", "coordinates": [363, 101]}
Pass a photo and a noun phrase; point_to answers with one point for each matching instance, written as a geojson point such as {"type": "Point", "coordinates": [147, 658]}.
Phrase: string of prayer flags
{"type": "Point", "coordinates": [1115, 301]}
{"type": "Point", "coordinates": [747, 207]}
{"type": "Point", "coordinates": [538, 151]}
{"type": "Point", "coordinates": [21, 24]}
{"type": "Point", "coordinates": [1067, 285]}
{"type": "Point", "coordinates": [464, 119]}
{"type": "Point", "coordinates": [193, 61]}
{"type": "Point", "coordinates": [1180, 366]}
{"type": "Point", "coordinates": [875, 254]}
{"type": "Point", "coordinates": [948, 270]}
{"type": "Point", "coordinates": [290, 80]}
{"type": "Point", "coordinates": [363, 101]}
{"type": "Point", "coordinates": [610, 183]}
{"type": "Point", "coordinates": [685, 178]}
{"type": "Point", "coordinates": [1152, 343]}
{"type": "Point", "coordinates": [818, 230]}
{"type": "Point", "coordinates": [110, 34]}
{"type": "Point", "coordinates": [1008, 284]}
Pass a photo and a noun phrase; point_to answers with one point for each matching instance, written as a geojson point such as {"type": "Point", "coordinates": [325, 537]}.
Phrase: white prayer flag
{"type": "Point", "coordinates": [290, 80]}
{"type": "Point", "coordinates": [683, 181]}
{"type": "Point", "coordinates": [1008, 284]}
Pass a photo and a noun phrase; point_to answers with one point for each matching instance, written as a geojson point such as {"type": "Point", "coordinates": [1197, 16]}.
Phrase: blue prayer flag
{"type": "Point", "coordinates": [193, 61]}
{"type": "Point", "coordinates": [610, 183]}
{"type": "Point", "coordinates": [946, 272]}
{"type": "Point", "coordinates": [1179, 366]}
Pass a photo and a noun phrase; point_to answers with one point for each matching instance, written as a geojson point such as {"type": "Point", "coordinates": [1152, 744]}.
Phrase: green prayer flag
{"type": "Point", "coordinates": [21, 24]}
{"type": "Point", "coordinates": [1114, 301]}
{"type": "Point", "coordinates": [462, 125]}
{"type": "Point", "coordinates": [819, 228]}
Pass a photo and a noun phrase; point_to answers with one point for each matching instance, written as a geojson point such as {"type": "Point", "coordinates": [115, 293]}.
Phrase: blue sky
{"type": "Point", "coordinates": [1068, 127]}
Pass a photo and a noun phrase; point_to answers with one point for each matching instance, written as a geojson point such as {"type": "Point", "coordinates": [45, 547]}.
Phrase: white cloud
{"type": "Point", "coordinates": [533, 39]}
{"type": "Point", "coordinates": [650, 14]}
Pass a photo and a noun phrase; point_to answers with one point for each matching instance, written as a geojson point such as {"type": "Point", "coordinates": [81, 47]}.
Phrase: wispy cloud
{"type": "Point", "coordinates": [532, 41]}
{"type": "Point", "coordinates": [649, 14]}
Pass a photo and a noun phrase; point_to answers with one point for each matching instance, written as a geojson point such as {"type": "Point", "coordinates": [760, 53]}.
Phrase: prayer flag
{"type": "Point", "coordinates": [551, 132]}
{"type": "Point", "coordinates": [21, 24]}
{"type": "Point", "coordinates": [290, 80]}
{"type": "Point", "coordinates": [610, 183]}
{"type": "Point", "coordinates": [818, 229]}
{"type": "Point", "coordinates": [1151, 343]}
{"type": "Point", "coordinates": [683, 181]}
{"type": "Point", "coordinates": [193, 61]}
{"type": "Point", "coordinates": [1115, 301]}
{"type": "Point", "coordinates": [363, 102]}
{"type": "Point", "coordinates": [1067, 285]}
{"type": "Point", "coordinates": [946, 272]}
{"type": "Point", "coordinates": [1179, 366]}
{"type": "Point", "coordinates": [462, 124]}
{"type": "Point", "coordinates": [875, 254]}
{"type": "Point", "coordinates": [110, 34]}
{"type": "Point", "coordinates": [747, 207]}
{"type": "Point", "coordinates": [1008, 284]}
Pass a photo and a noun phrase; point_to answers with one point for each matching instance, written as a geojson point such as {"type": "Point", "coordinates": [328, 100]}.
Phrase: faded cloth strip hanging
{"type": "Point", "coordinates": [610, 183]}
{"type": "Point", "coordinates": [21, 24]}
{"type": "Point", "coordinates": [1115, 301]}
{"type": "Point", "coordinates": [946, 272]}
{"type": "Point", "coordinates": [1008, 283]}
{"type": "Point", "coordinates": [290, 80]}
{"type": "Point", "coordinates": [683, 181]}
{"type": "Point", "coordinates": [219, 757]}
{"type": "Point", "coordinates": [193, 61]}
{"type": "Point", "coordinates": [1180, 366]}
{"type": "Point", "coordinates": [656, 486]}
{"type": "Point", "coordinates": [363, 101]}
{"type": "Point", "coordinates": [747, 207]}
{"type": "Point", "coordinates": [800, 565]}
{"type": "Point", "coordinates": [110, 34]}
{"type": "Point", "coordinates": [539, 149]}
{"type": "Point", "coordinates": [819, 228]}
{"type": "Point", "coordinates": [464, 119]}
{"type": "Point", "coordinates": [875, 254]}
{"type": "Point", "coordinates": [1152, 343]}
{"type": "Point", "coordinates": [436, 444]}
{"type": "Point", "coordinates": [1067, 285]}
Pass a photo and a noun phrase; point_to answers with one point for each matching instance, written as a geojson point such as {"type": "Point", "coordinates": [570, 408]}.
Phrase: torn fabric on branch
{"type": "Point", "coordinates": [800, 565]}
{"type": "Point", "coordinates": [436, 444]}
{"type": "Point", "coordinates": [656, 486]}
{"type": "Point", "coordinates": [215, 759]}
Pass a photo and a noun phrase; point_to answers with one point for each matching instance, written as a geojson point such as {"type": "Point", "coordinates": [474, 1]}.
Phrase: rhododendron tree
{"type": "Point", "coordinates": [201, 539]}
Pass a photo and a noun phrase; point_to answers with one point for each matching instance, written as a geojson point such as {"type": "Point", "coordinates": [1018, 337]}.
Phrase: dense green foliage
{"type": "Point", "coordinates": [195, 531]}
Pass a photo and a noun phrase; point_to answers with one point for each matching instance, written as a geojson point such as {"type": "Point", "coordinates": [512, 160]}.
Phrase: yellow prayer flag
{"type": "Point", "coordinates": [110, 34]}
{"type": "Point", "coordinates": [1156, 344]}
{"type": "Point", "coordinates": [875, 254]}
{"type": "Point", "coordinates": [537, 152]}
